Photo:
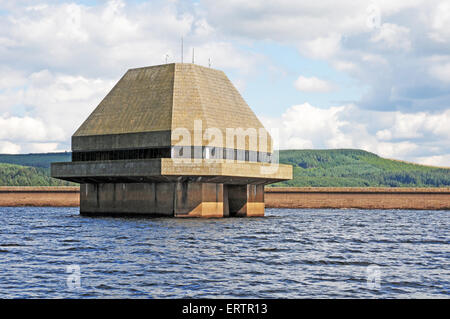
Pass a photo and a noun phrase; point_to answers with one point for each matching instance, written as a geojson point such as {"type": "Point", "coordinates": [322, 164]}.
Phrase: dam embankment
{"type": "Point", "coordinates": [39, 196]}
{"type": "Point", "coordinates": [275, 197]}
{"type": "Point", "coordinates": [358, 197]}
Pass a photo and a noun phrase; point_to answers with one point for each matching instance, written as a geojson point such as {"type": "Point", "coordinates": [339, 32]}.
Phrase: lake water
{"type": "Point", "coordinates": [55, 253]}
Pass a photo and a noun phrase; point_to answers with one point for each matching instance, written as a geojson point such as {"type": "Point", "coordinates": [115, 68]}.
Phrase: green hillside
{"type": "Point", "coordinates": [17, 175]}
{"type": "Point", "coordinates": [319, 168]}
{"type": "Point", "coordinates": [357, 168]}
{"type": "Point", "coordinates": [36, 160]}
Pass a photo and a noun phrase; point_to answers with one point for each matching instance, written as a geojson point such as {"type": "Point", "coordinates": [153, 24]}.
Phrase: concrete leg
{"type": "Point", "coordinates": [246, 200]}
{"type": "Point", "coordinates": [157, 199]}
{"type": "Point", "coordinates": [199, 200]}
{"type": "Point", "coordinates": [127, 198]}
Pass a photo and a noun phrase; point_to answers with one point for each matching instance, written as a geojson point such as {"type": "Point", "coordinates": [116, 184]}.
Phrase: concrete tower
{"type": "Point", "coordinates": [172, 140]}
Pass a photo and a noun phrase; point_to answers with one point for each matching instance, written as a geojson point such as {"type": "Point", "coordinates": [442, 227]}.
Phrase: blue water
{"type": "Point", "coordinates": [287, 254]}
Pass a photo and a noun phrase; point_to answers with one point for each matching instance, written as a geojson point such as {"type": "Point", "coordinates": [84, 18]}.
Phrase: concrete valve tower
{"type": "Point", "coordinates": [172, 140]}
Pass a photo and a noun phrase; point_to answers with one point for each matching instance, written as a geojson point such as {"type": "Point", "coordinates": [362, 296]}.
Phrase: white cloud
{"type": "Point", "coordinates": [439, 124]}
{"type": "Point", "coordinates": [440, 22]}
{"type": "Point", "coordinates": [389, 134]}
{"type": "Point", "coordinates": [441, 71]}
{"type": "Point", "coordinates": [48, 108]}
{"type": "Point", "coordinates": [110, 37]}
{"type": "Point", "coordinates": [322, 47]}
{"type": "Point", "coordinates": [9, 148]}
{"type": "Point", "coordinates": [11, 78]}
{"type": "Point", "coordinates": [308, 126]}
{"type": "Point", "coordinates": [58, 60]}
{"type": "Point", "coordinates": [388, 60]}
{"type": "Point", "coordinates": [344, 66]}
{"type": "Point", "coordinates": [28, 129]}
{"type": "Point", "coordinates": [393, 150]}
{"type": "Point", "coordinates": [312, 84]}
{"type": "Point", "coordinates": [393, 37]}
{"type": "Point", "coordinates": [13, 148]}
{"type": "Point", "coordinates": [384, 134]}
{"type": "Point", "coordinates": [416, 125]}
{"type": "Point", "coordinates": [42, 148]}
{"type": "Point", "coordinates": [374, 59]}
{"type": "Point", "coordinates": [223, 55]}
{"type": "Point", "coordinates": [437, 160]}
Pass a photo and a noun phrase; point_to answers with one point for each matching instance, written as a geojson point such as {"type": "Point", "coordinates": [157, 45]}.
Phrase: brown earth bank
{"type": "Point", "coordinates": [62, 196]}
{"type": "Point", "coordinates": [358, 197]}
{"type": "Point", "coordinates": [275, 197]}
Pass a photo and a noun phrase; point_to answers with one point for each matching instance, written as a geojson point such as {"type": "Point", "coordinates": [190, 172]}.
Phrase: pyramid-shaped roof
{"type": "Point", "coordinates": [165, 97]}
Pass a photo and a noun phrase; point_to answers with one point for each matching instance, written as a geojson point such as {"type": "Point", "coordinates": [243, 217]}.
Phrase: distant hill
{"type": "Point", "coordinates": [17, 175]}
{"type": "Point", "coordinates": [42, 160]}
{"type": "Point", "coordinates": [317, 168]}
{"type": "Point", "coordinates": [357, 168]}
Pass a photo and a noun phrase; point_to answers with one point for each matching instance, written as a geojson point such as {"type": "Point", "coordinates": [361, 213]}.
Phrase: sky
{"type": "Point", "coordinates": [372, 75]}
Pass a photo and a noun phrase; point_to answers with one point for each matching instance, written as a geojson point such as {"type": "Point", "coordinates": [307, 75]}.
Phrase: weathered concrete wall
{"type": "Point", "coordinates": [366, 198]}
{"type": "Point", "coordinates": [199, 200]}
{"type": "Point", "coordinates": [168, 169]}
{"type": "Point", "coordinates": [127, 198]}
{"type": "Point", "coordinates": [160, 199]}
{"type": "Point", "coordinates": [246, 200]}
{"type": "Point", "coordinates": [255, 202]}
{"type": "Point", "coordinates": [121, 141]}
{"type": "Point", "coordinates": [39, 196]}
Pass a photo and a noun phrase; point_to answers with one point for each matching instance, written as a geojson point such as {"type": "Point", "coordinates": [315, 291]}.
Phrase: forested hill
{"type": "Point", "coordinates": [31, 169]}
{"type": "Point", "coordinates": [357, 168]}
{"type": "Point", "coordinates": [42, 160]}
{"type": "Point", "coordinates": [17, 175]}
{"type": "Point", "coordinates": [332, 168]}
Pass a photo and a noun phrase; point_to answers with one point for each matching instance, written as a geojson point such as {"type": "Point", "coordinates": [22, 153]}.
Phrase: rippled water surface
{"type": "Point", "coordinates": [287, 254]}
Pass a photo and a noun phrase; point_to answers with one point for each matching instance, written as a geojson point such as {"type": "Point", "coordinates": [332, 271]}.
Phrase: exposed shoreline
{"type": "Point", "coordinates": [58, 196]}
{"type": "Point", "coordinates": [358, 197]}
{"type": "Point", "coordinates": [275, 197]}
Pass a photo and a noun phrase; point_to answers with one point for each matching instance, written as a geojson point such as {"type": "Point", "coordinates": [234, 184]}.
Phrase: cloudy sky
{"type": "Point", "coordinates": [373, 75]}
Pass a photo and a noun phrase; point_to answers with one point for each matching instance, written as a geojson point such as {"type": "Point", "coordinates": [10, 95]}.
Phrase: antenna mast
{"type": "Point", "coordinates": [192, 55]}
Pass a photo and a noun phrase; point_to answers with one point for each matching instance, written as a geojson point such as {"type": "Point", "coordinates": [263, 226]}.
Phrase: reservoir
{"type": "Point", "coordinates": [289, 253]}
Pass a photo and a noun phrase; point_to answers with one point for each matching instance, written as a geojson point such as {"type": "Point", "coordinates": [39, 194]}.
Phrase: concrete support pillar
{"type": "Point", "coordinates": [246, 200]}
{"type": "Point", "coordinates": [127, 198]}
{"type": "Point", "coordinates": [199, 200]}
{"type": "Point", "coordinates": [155, 199]}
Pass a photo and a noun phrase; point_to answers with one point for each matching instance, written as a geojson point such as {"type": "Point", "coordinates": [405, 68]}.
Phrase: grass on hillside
{"type": "Point", "coordinates": [36, 160]}
{"type": "Point", "coordinates": [17, 175]}
{"type": "Point", "coordinates": [357, 168]}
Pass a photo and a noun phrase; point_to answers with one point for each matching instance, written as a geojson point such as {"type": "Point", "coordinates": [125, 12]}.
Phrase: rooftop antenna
{"type": "Point", "coordinates": [209, 62]}
{"type": "Point", "coordinates": [167, 56]}
{"type": "Point", "coordinates": [181, 49]}
{"type": "Point", "coordinates": [192, 55]}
